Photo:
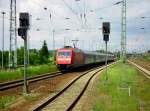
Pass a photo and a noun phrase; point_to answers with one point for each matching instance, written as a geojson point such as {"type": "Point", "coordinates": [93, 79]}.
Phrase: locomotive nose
{"type": "Point", "coordinates": [63, 57]}
{"type": "Point", "coordinates": [64, 60]}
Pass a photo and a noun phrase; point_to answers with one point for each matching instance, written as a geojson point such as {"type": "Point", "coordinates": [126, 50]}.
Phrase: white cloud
{"type": "Point", "coordinates": [88, 32]}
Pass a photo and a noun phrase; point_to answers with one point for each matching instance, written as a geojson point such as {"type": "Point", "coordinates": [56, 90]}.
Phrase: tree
{"type": "Point", "coordinates": [6, 55]}
{"type": "Point", "coordinates": [44, 54]}
{"type": "Point", "coordinates": [20, 56]}
{"type": "Point", "coordinates": [34, 57]}
{"type": "Point", "coordinates": [5, 59]}
{"type": "Point", "coordinates": [0, 58]}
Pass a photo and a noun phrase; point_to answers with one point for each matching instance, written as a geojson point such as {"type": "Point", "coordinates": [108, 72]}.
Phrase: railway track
{"type": "Point", "coordinates": [13, 84]}
{"type": "Point", "coordinates": [67, 98]}
{"type": "Point", "coordinates": [146, 72]}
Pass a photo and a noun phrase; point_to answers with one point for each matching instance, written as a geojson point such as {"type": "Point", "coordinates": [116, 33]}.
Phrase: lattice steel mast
{"type": "Point", "coordinates": [123, 32]}
{"type": "Point", "coordinates": [13, 35]}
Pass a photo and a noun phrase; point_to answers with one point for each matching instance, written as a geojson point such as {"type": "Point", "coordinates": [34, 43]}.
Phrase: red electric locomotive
{"type": "Point", "coordinates": [69, 57]}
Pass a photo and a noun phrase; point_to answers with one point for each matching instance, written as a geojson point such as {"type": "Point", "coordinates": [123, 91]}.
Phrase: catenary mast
{"type": "Point", "coordinates": [123, 32]}
{"type": "Point", "coordinates": [13, 35]}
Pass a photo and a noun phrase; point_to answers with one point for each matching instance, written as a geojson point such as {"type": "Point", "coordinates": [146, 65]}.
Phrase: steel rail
{"type": "Point", "coordinates": [48, 100]}
{"type": "Point", "coordinates": [82, 92]}
{"type": "Point", "coordinates": [146, 73]}
{"type": "Point", "coordinates": [42, 105]}
{"type": "Point", "coordinates": [73, 104]}
{"type": "Point", "coordinates": [16, 83]}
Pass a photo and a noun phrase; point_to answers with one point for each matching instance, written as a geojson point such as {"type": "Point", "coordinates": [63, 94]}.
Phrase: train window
{"type": "Point", "coordinates": [64, 54]}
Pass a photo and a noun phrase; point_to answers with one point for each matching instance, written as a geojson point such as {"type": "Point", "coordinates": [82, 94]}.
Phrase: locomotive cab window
{"type": "Point", "coordinates": [64, 54]}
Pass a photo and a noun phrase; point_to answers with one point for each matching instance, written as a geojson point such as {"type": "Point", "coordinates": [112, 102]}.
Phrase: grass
{"type": "Point", "coordinates": [5, 101]}
{"type": "Point", "coordinates": [147, 57]}
{"type": "Point", "coordinates": [29, 97]}
{"type": "Point", "coordinates": [32, 71]}
{"type": "Point", "coordinates": [144, 57]}
{"type": "Point", "coordinates": [111, 96]}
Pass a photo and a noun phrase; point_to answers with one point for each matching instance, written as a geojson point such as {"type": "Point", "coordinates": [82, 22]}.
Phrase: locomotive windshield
{"type": "Point", "coordinates": [64, 54]}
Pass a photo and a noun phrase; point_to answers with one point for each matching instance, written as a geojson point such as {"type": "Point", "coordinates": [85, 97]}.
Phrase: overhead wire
{"type": "Point", "coordinates": [69, 7]}
{"type": "Point", "coordinates": [84, 8]}
{"type": "Point", "coordinates": [52, 12]}
{"type": "Point", "coordinates": [57, 15]}
{"type": "Point", "coordinates": [84, 11]}
{"type": "Point", "coordinates": [98, 9]}
{"type": "Point", "coordinates": [76, 14]}
{"type": "Point", "coordinates": [102, 8]}
{"type": "Point", "coordinates": [85, 15]}
{"type": "Point", "coordinates": [80, 12]}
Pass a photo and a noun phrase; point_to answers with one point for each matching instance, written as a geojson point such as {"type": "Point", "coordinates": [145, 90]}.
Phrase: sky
{"type": "Point", "coordinates": [86, 29]}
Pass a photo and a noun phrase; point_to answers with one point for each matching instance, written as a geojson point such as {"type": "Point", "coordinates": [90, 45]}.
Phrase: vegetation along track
{"type": "Point", "coordinates": [66, 99]}
{"type": "Point", "coordinates": [146, 72]}
{"type": "Point", "coordinates": [13, 84]}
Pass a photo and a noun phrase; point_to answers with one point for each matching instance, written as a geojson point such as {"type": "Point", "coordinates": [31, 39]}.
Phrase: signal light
{"type": "Point", "coordinates": [106, 28]}
{"type": "Point", "coordinates": [106, 38]}
{"type": "Point", "coordinates": [24, 20]}
{"type": "Point", "coordinates": [22, 32]}
{"type": "Point", "coordinates": [106, 31]}
{"type": "Point", "coordinates": [24, 25]}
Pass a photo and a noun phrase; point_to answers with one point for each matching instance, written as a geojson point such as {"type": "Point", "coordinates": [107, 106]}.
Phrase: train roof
{"type": "Point", "coordinates": [84, 51]}
{"type": "Point", "coordinates": [96, 53]}
{"type": "Point", "coordinates": [69, 48]}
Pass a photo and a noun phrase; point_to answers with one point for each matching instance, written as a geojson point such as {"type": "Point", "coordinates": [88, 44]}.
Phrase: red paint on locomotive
{"type": "Point", "coordinates": [64, 56]}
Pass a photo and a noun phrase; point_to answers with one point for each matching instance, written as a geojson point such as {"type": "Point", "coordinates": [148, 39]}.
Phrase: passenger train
{"type": "Point", "coordinates": [68, 57]}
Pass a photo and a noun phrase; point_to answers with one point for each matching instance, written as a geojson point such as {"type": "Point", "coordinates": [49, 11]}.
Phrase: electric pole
{"type": "Point", "coordinates": [53, 43]}
{"type": "Point", "coordinates": [90, 45]}
{"type": "Point", "coordinates": [53, 31]}
{"type": "Point", "coordinates": [53, 39]}
{"type": "Point", "coordinates": [83, 44]}
{"type": "Point", "coordinates": [13, 35]}
{"type": "Point", "coordinates": [123, 32]}
{"type": "Point", "coordinates": [28, 49]}
{"type": "Point", "coordinates": [64, 41]}
{"type": "Point", "coordinates": [3, 40]}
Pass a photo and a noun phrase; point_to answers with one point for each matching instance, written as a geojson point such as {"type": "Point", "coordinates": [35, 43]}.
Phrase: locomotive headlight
{"type": "Point", "coordinates": [60, 59]}
{"type": "Point", "coordinates": [68, 59]}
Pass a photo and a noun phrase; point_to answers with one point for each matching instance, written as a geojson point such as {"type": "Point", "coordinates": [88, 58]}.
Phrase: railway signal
{"type": "Point", "coordinates": [24, 20]}
{"type": "Point", "coordinates": [106, 32]}
{"type": "Point", "coordinates": [22, 31]}
{"type": "Point", "coordinates": [24, 25]}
